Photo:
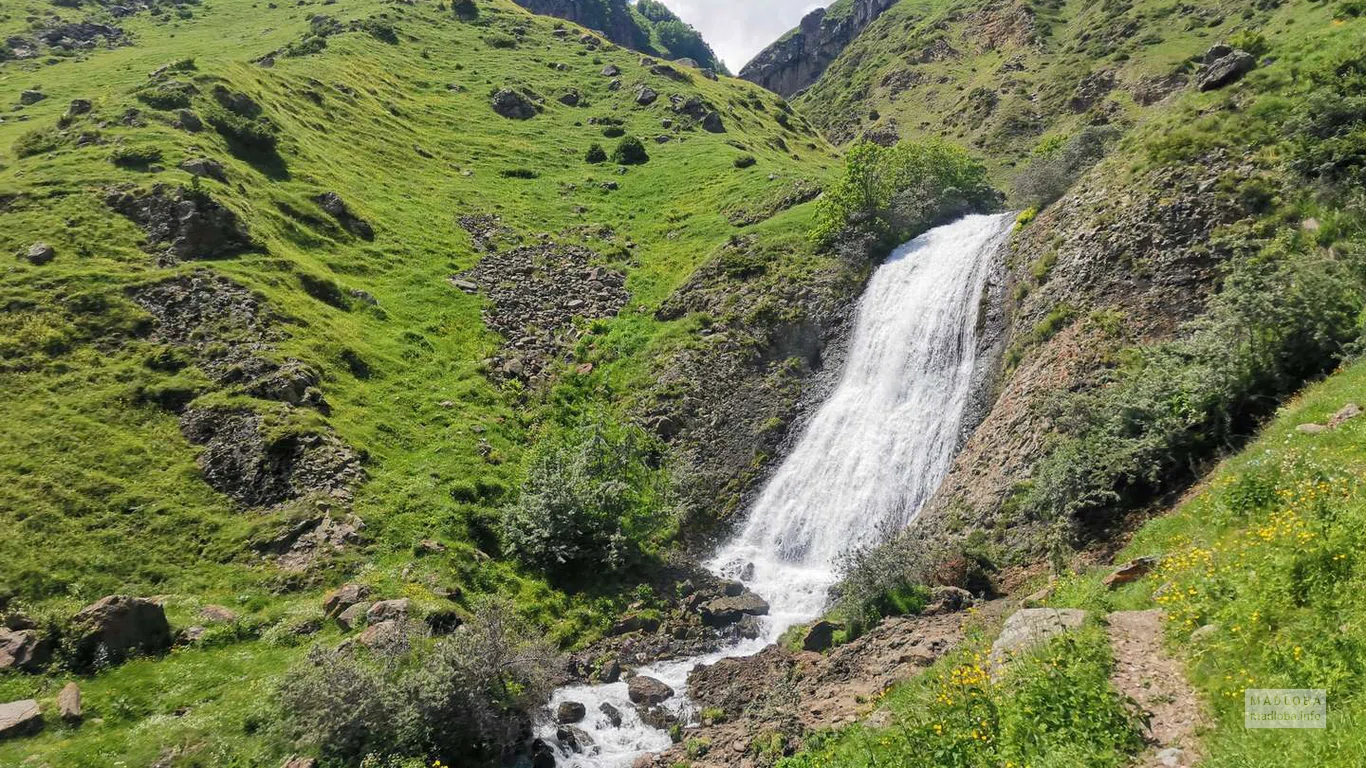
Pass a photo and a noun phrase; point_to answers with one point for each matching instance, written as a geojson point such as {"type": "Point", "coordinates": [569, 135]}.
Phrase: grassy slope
{"type": "Point", "coordinates": [102, 494]}
{"type": "Point", "coordinates": [1051, 47]}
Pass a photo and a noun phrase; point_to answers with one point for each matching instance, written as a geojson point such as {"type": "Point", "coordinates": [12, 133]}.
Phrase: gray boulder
{"type": "Point", "coordinates": [513, 105]}
{"type": "Point", "coordinates": [31, 97]}
{"type": "Point", "coordinates": [20, 718]}
{"type": "Point", "coordinates": [648, 690]}
{"type": "Point", "coordinates": [1031, 627]}
{"type": "Point", "coordinates": [353, 616]}
{"type": "Point", "coordinates": [724, 611]}
{"type": "Point", "coordinates": [645, 96]}
{"type": "Point", "coordinates": [344, 597]}
{"type": "Point", "coordinates": [69, 703]}
{"type": "Point", "coordinates": [1225, 70]}
{"type": "Point", "coordinates": [24, 650]}
{"type": "Point", "coordinates": [204, 168]}
{"type": "Point", "coordinates": [116, 627]}
{"type": "Point", "coordinates": [570, 712]}
{"type": "Point", "coordinates": [39, 254]}
{"type": "Point", "coordinates": [389, 610]}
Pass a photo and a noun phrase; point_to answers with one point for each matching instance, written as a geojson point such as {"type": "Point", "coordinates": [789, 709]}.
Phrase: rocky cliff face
{"type": "Point", "coordinates": [799, 58]}
{"type": "Point", "coordinates": [612, 18]}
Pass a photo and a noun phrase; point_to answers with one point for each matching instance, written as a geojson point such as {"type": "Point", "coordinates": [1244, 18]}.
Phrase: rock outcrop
{"type": "Point", "coordinates": [612, 18]}
{"type": "Point", "coordinates": [801, 56]}
{"type": "Point", "coordinates": [116, 627]}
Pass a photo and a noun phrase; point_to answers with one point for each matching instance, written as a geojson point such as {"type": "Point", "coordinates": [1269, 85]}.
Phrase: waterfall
{"type": "Point", "coordinates": [872, 455]}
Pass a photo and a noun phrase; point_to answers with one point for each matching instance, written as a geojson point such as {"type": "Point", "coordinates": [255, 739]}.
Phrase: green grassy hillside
{"type": "Point", "coordinates": [389, 105]}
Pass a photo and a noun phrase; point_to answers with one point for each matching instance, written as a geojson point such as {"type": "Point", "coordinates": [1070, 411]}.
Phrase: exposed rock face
{"type": "Point", "coordinates": [24, 649]}
{"type": "Point", "coordinates": [1222, 70]}
{"type": "Point", "coordinates": [260, 470]}
{"type": "Point", "coordinates": [1152, 261]}
{"type": "Point", "coordinates": [182, 224]}
{"type": "Point", "coordinates": [117, 626]}
{"type": "Point", "coordinates": [612, 18]}
{"type": "Point", "coordinates": [20, 718]}
{"type": "Point", "coordinates": [802, 55]}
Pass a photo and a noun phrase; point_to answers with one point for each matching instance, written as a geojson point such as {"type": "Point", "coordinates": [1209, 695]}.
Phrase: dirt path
{"type": "Point", "coordinates": [1147, 674]}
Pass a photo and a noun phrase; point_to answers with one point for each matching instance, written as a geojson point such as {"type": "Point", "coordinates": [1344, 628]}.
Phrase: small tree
{"type": "Point", "coordinates": [630, 151]}
{"type": "Point", "coordinates": [596, 154]}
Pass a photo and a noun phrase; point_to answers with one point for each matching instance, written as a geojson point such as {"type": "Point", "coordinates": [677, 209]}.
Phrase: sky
{"type": "Point", "coordinates": [738, 29]}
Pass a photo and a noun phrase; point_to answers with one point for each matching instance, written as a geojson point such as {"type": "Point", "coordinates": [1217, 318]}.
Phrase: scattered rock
{"type": "Point", "coordinates": [542, 755]}
{"type": "Point", "coordinates": [258, 469]}
{"type": "Point", "coordinates": [1224, 70]}
{"type": "Point", "coordinates": [948, 600]}
{"type": "Point", "coordinates": [31, 97]}
{"type": "Point", "coordinates": [337, 209]}
{"type": "Point", "coordinates": [648, 690]}
{"type": "Point", "coordinates": [1311, 429]}
{"type": "Point", "coordinates": [1204, 633]}
{"type": "Point", "coordinates": [39, 254]}
{"type": "Point", "coordinates": [570, 712]}
{"type": "Point", "coordinates": [344, 597]}
{"type": "Point", "coordinates": [353, 616]}
{"type": "Point", "coordinates": [389, 610]}
{"type": "Point", "coordinates": [24, 650]}
{"type": "Point", "coordinates": [1029, 627]}
{"type": "Point", "coordinates": [218, 614]}
{"type": "Point", "coordinates": [612, 713]}
{"type": "Point", "coordinates": [1171, 757]}
{"type": "Point", "coordinates": [513, 105]}
{"type": "Point", "coordinates": [728, 610]}
{"type": "Point", "coordinates": [1130, 572]}
{"type": "Point", "coordinates": [820, 637]}
{"type": "Point", "coordinates": [188, 121]}
{"type": "Point", "coordinates": [182, 223]}
{"type": "Point", "coordinates": [115, 627]}
{"type": "Point", "coordinates": [711, 123]}
{"type": "Point", "coordinates": [69, 703]}
{"type": "Point", "coordinates": [610, 672]}
{"type": "Point", "coordinates": [20, 718]}
{"type": "Point", "coordinates": [204, 168]}
{"type": "Point", "coordinates": [611, 70]}
{"type": "Point", "coordinates": [79, 107]}
{"type": "Point", "coordinates": [570, 99]}
{"type": "Point", "coordinates": [1348, 412]}
{"type": "Point", "coordinates": [645, 95]}
{"type": "Point", "coordinates": [635, 623]}
{"type": "Point", "coordinates": [377, 634]}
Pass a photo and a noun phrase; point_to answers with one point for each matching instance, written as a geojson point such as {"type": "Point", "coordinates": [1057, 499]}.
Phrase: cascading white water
{"type": "Point", "coordinates": [875, 451]}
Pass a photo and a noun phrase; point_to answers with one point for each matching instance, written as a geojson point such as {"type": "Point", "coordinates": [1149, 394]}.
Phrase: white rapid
{"type": "Point", "coordinates": [872, 455]}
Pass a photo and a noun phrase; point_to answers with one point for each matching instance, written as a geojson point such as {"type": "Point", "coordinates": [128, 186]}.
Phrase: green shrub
{"type": "Point", "coordinates": [898, 192]}
{"type": "Point", "coordinates": [465, 10]}
{"type": "Point", "coordinates": [134, 157]}
{"type": "Point", "coordinates": [1058, 163]}
{"type": "Point", "coordinates": [172, 94]}
{"type": "Point", "coordinates": [469, 699]}
{"type": "Point", "coordinates": [591, 502]}
{"type": "Point", "coordinates": [596, 154]}
{"type": "Point", "coordinates": [39, 141]}
{"type": "Point", "coordinates": [242, 133]}
{"type": "Point", "coordinates": [501, 41]}
{"type": "Point", "coordinates": [630, 151]}
{"type": "Point", "coordinates": [613, 132]}
{"type": "Point", "coordinates": [518, 173]}
{"type": "Point", "coordinates": [745, 161]}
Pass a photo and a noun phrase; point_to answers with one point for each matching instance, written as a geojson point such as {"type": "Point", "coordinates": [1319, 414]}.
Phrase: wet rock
{"type": "Point", "coordinates": [1130, 572]}
{"type": "Point", "coordinates": [1224, 70]}
{"type": "Point", "coordinates": [660, 718]}
{"type": "Point", "coordinates": [20, 718]}
{"type": "Point", "coordinates": [39, 254]}
{"type": "Point", "coordinates": [24, 649]}
{"type": "Point", "coordinates": [732, 589]}
{"type": "Point", "coordinates": [612, 714]}
{"type": "Point", "coordinates": [542, 755]}
{"type": "Point", "coordinates": [648, 690]}
{"type": "Point", "coordinates": [610, 672]}
{"type": "Point", "coordinates": [728, 610]}
{"type": "Point", "coordinates": [344, 597]}
{"type": "Point", "coordinates": [513, 105]}
{"type": "Point", "coordinates": [749, 627]}
{"type": "Point", "coordinates": [1030, 627]}
{"type": "Point", "coordinates": [69, 703]}
{"type": "Point", "coordinates": [747, 572]}
{"type": "Point", "coordinates": [242, 461]}
{"type": "Point", "coordinates": [576, 739]}
{"type": "Point", "coordinates": [570, 712]}
{"type": "Point", "coordinates": [389, 610]}
{"type": "Point", "coordinates": [337, 209]}
{"type": "Point", "coordinates": [820, 637]}
{"type": "Point", "coordinates": [116, 627]}
{"type": "Point", "coordinates": [182, 224]}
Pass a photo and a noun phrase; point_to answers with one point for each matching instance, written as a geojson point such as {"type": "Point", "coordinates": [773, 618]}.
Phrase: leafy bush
{"type": "Point", "coordinates": [243, 133]}
{"type": "Point", "coordinates": [38, 141]}
{"type": "Point", "coordinates": [592, 502]}
{"type": "Point", "coordinates": [630, 151]}
{"type": "Point", "coordinates": [1328, 131]}
{"type": "Point", "coordinates": [898, 192]}
{"type": "Point", "coordinates": [134, 157]}
{"type": "Point", "coordinates": [1057, 164]}
{"type": "Point", "coordinates": [172, 94]}
{"type": "Point", "coordinates": [613, 132]}
{"type": "Point", "coordinates": [518, 173]}
{"type": "Point", "coordinates": [1282, 317]}
{"type": "Point", "coordinates": [467, 700]}
{"type": "Point", "coordinates": [745, 161]}
{"type": "Point", "coordinates": [596, 154]}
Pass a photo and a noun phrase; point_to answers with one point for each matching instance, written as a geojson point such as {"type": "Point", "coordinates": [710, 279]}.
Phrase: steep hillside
{"type": "Point", "coordinates": [798, 59]}
{"type": "Point", "coordinates": [293, 289]}
{"type": "Point", "coordinates": [647, 26]}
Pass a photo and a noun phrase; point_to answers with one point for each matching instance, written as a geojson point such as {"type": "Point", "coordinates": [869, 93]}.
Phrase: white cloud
{"type": "Point", "coordinates": [738, 29]}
